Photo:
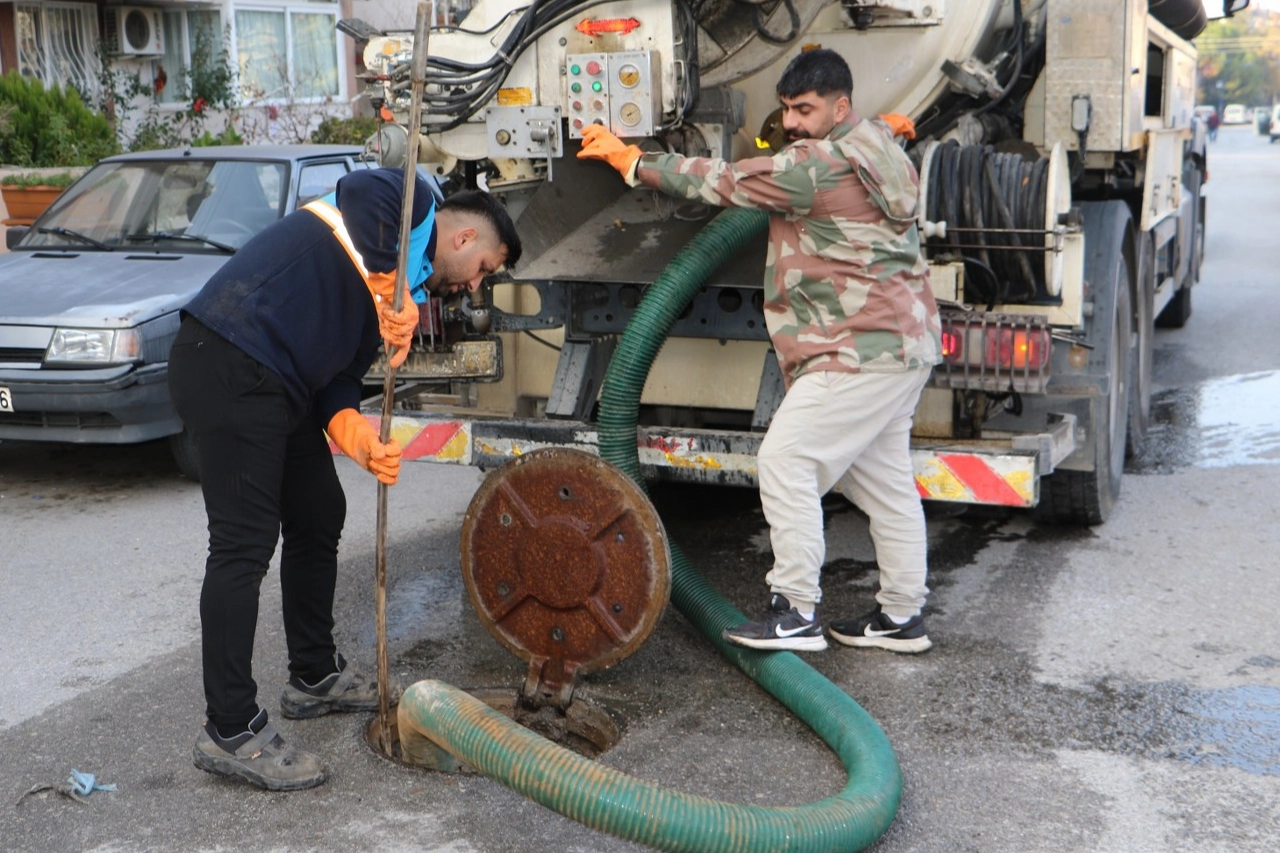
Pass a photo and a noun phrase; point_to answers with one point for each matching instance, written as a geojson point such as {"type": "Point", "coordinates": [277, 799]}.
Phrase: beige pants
{"type": "Point", "coordinates": [852, 431]}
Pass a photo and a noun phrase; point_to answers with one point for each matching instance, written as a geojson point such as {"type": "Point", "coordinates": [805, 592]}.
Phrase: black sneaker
{"type": "Point", "coordinates": [343, 691]}
{"type": "Point", "coordinates": [876, 630]}
{"type": "Point", "coordinates": [782, 628]}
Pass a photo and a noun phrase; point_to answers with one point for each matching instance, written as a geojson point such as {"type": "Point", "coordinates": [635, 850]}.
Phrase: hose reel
{"type": "Point", "coordinates": [1001, 213]}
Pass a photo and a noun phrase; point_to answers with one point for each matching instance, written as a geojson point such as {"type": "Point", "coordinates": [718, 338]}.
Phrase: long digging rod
{"type": "Point", "coordinates": [417, 80]}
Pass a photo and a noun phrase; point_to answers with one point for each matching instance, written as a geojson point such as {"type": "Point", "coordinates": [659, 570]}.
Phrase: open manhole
{"type": "Point", "coordinates": [567, 565]}
{"type": "Point", "coordinates": [584, 727]}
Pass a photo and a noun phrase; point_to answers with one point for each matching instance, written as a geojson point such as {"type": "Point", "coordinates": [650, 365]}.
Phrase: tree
{"type": "Point", "coordinates": [1243, 54]}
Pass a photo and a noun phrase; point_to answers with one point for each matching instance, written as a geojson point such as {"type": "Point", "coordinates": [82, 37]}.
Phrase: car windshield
{"type": "Point", "coordinates": [187, 205]}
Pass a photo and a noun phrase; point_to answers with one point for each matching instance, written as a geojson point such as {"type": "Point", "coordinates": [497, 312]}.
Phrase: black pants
{"type": "Point", "coordinates": [266, 470]}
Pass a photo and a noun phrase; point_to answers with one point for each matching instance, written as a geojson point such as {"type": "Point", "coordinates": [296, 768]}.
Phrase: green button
{"type": "Point", "coordinates": [576, 87]}
{"type": "Point", "coordinates": [597, 86]}
{"type": "Point", "coordinates": [575, 69]}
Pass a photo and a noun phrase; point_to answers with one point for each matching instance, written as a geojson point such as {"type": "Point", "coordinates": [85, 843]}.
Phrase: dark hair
{"type": "Point", "coordinates": [823, 71]}
{"type": "Point", "coordinates": [487, 207]}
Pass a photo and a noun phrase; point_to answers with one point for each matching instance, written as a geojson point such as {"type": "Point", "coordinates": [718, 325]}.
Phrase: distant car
{"type": "Point", "coordinates": [1234, 114]}
{"type": "Point", "coordinates": [1203, 112]}
{"type": "Point", "coordinates": [90, 292]}
{"type": "Point", "coordinates": [1274, 131]}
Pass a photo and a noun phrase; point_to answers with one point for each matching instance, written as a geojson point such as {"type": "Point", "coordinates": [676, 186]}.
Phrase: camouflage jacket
{"type": "Point", "coordinates": [845, 286]}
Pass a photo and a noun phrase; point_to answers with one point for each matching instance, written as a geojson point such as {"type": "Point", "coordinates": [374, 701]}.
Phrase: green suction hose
{"type": "Point", "coordinates": [612, 802]}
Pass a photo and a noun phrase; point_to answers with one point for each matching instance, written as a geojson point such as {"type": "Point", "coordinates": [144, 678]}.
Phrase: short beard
{"type": "Point", "coordinates": [437, 284]}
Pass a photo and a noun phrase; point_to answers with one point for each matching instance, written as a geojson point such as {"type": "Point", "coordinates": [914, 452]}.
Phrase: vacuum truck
{"type": "Point", "coordinates": [1061, 214]}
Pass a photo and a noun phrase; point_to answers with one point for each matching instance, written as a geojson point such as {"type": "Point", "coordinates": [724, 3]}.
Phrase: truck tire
{"type": "Point", "coordinates": [1143, 362]}
{"type": "Point", "coordinates": [183, 448]}
{"type": "Point", "coordinates": [1178, 311]}
{"type": "Point", "coordinates": [1087, 497]}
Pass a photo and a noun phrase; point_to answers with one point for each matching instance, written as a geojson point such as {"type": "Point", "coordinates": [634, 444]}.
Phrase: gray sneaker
{"type": "Point", "coordinates": [345, 690]}
{"type": "Point", "coordinates": [259, 756]}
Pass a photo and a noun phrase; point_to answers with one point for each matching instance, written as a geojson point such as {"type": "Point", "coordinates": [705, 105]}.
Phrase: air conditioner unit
{"type": "Point", "coordinates": [134, 31]}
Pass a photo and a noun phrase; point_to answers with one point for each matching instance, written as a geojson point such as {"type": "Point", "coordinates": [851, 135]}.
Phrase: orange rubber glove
{"type": "Point", "coordinates": [900, 125]}
{"type": "Point", "coordinates": [599, 144]}
{"type": "Point", "coordinates": [397, 329]}
{"type": "Point", "coordinates": [357, 438]}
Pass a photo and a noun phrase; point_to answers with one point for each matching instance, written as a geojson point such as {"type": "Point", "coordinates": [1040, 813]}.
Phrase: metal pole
{"type": "Point", "coordinates": [417, 81]}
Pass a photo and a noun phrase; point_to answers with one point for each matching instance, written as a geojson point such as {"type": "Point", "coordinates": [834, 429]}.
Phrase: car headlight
{"type": "Point", "coordinates": [94, 346]}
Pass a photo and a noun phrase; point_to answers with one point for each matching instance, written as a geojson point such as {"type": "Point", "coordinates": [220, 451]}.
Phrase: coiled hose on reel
{"type": "Point", "coordinates": [991, 201]}
{"type": "Point", "coordinates": [610, 801]}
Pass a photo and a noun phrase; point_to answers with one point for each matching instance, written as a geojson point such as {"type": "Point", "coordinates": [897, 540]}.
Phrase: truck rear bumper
{"type": "Point", "coordinates": [1004, 471]}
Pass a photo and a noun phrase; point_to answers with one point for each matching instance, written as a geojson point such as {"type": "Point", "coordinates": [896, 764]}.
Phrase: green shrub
{"type": "Point", "coordinates": [35, 179]}
{"type": "Point", "coordinates": [49, 127]}
{"type": "Point", "coordinates": [345, 131]}
{"type": "Point", "coordinates": [228, 136]}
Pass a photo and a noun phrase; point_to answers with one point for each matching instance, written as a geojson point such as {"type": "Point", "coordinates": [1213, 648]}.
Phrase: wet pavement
{"type": "Point", "coordinates": [1233, 420]}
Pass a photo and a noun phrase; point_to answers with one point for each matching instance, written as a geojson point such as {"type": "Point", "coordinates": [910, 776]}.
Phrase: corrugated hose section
{"type": "Point", "coordinates": [608, 800]}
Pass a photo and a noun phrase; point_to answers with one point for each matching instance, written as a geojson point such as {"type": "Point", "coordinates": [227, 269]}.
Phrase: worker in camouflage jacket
{"type": "Point", "coordinates": [855, 328]}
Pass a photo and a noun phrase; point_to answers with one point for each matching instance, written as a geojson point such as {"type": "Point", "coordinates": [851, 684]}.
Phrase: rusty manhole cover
{"type": "Point", "coordinates": [566, 562]}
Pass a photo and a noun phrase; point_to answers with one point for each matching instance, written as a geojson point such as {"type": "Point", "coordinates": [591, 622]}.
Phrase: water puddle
{"type": "Point", "coordinates": [1235, 727]}
{"type": "Point", "coordinates": [1224, 422]}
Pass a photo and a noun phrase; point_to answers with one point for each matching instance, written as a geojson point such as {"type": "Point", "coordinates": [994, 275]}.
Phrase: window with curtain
{"type": "Point", "coordinates": [57, 44]}
{"type": "Point", "coordinates": [286, 54]}
{"type": "Point", "coordinates": [315, 51]}
{"type": "Point", "coordinates": [190, 39]}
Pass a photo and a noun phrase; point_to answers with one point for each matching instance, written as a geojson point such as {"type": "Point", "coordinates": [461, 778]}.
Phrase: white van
{"type": "Point", "coordinates": [1274, 131]}
{"type": "Point", "coordinates": [1233, 114]}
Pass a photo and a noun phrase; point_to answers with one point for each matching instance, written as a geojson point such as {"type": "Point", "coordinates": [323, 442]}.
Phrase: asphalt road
{"type": "Point", "coordinates": [1109, 689]}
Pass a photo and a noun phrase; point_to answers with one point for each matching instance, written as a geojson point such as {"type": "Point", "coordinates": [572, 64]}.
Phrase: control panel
{"type": "Point", "coordinates": [622, 91]}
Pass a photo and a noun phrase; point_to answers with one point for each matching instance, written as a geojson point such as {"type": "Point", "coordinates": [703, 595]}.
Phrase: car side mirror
{"type": "Point", "coordinates": [14, 234]}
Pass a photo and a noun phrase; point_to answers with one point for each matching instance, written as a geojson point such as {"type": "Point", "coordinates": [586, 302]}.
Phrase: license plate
{"type": "Point", "coordinates": [6, 400]}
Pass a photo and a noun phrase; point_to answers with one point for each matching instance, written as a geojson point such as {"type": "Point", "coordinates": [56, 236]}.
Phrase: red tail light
{"type": "Point", "coordinates": [977, 344]}
{"type": "Point", "coordinates": [952, 345]}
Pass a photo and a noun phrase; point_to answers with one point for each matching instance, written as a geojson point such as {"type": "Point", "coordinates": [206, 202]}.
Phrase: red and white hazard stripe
{"type": "Point", "coordinates": [1002, 480]}
{"type": "Point", "coordinates": [430, 441]}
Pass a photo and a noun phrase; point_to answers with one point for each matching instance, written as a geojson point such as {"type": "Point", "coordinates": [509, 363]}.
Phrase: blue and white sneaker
{"type": "Point", "coordinates": [878, 631]}
{"type": "Point", "coordinates": [782, 628]}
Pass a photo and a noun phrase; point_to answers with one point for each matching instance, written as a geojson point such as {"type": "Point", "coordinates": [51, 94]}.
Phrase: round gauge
{"type": "Point", "coordinates": [629, 114]}
{"type": "Point", "coordinates": [629, 75]}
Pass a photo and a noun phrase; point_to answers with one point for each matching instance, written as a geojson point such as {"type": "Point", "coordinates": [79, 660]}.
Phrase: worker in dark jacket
{"type": "Point", "coordinates": [271, 353]}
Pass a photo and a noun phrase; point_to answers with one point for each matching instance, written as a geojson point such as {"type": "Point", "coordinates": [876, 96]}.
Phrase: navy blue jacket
{"type": "Point", "coordinates": [293, 300]}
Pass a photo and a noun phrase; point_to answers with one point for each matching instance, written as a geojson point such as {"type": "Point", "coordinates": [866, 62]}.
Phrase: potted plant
{"type": "Point", "coordinates": [27, 194]}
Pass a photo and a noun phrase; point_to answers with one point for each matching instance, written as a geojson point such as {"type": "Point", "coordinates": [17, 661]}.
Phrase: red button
{"type": "Point", "coordinates": [577, 123]}
{"type": "Point", "coordinates": [577, 105]}
{"type": "Point", "coordinates": [593, 67]}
